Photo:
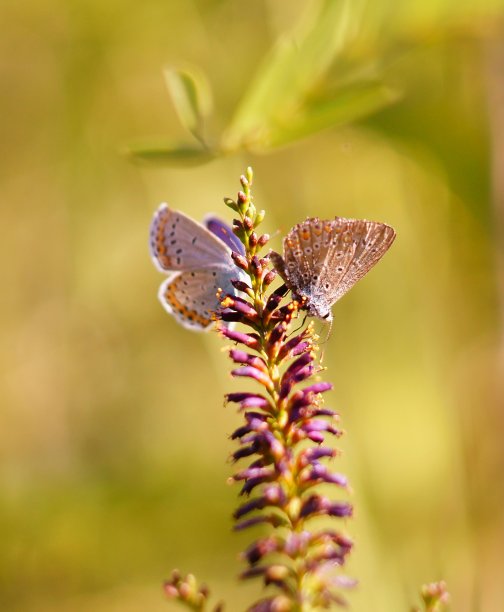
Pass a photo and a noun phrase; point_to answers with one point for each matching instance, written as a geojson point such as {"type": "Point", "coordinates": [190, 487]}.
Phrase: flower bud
{"type": "Point", "coordinates": [240, 261]}
{"type": "Point", "coordinates": [260, 217]}
{"type": "Point", "coordinates": [269, 277]}
{"type": "Point", "coordinates": [231, 204]}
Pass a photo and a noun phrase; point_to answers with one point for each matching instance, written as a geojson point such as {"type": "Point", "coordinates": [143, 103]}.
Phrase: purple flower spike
{"type": "Point", "coordinates": [281, 428]}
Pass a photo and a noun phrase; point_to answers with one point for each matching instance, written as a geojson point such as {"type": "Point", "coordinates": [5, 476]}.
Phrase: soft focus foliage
{"type": "Point", "coordinates": [113, 436]}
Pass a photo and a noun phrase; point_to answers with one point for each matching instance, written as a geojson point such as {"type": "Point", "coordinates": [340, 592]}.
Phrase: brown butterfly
{"type": "Point", "coordinates": [322, 260]}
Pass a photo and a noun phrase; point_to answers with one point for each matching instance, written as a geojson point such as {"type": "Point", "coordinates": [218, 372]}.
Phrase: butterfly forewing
{"type": "Point", "coordinates": [368, 242]}
{"type": "Point", "coordinates": [305, 250]}
{"type": "Point", "coordinates": [177, 242]}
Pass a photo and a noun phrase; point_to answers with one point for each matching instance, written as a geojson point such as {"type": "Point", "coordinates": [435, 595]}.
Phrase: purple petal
{"type": "Point", "coordinates": [320, 472]}
{"type": "Point", "coordinates": [250, 340]}
{"type": "Point", "coordinates": [252, 372]}
{"type": "Point", "coordinates": [319, 425]}
{"type": "Point", "coordinates": [339, 509]}
{"type": "Point", "coordinates": [239, 356]}
{"type": "Point", "coordinates": [258, 472]}
{"type": "Point", "coordinates": [255, 402]}
{"type": "Point", "coordinates": [316, 437]}
{"type": "Point", "coordinates": [240, 397]}
{"type": "Point", "coordinates": [245, 451]}
{"type": "Point", "coordinates": [256, 551]}
{"type": "Point", "coordinates": [271, 519]}
{"type": "Point", "coordinates": [319, 387]}
{"type": "Point", "coordinates": [239, 305]}
{"type": "Point", "coordinates": [310, 455]}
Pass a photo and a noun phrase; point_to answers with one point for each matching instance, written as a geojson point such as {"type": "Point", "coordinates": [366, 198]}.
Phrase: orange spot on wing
{"type": "Point", "coordinates": [183, 310]}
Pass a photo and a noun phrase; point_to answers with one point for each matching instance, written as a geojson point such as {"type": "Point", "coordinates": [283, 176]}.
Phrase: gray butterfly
{"type": "Point", "coordinates": [322, 260]}
{"type": "Point", "coordinates": [198, 260]}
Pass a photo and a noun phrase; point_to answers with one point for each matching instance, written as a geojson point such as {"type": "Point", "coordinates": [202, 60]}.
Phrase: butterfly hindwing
{"type": "Point", "coordinates": [191, 296]}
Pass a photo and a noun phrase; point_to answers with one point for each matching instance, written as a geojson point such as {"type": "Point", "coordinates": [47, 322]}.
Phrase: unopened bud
{"type": "Point", "coordinates": [253, 239]}
{"type": "Point", "coordinates": [231, 203]}
{"type": "Point", "coordinates": [240, 261]}
{"type": "Point", "coordinates": [260, 217]}
{"type": "Point", "coordinates": [242, 286]}
{"type": "Point", "coordinates": [185, 590]}
{"type": "Point", "coordinates": [269, 277]}
{"type": "Point", "coordinates": [263, 239]}
{"type": "Point", "coordinates": [256, 266]}
{"type": "Point", "coordinates": [170, 590]}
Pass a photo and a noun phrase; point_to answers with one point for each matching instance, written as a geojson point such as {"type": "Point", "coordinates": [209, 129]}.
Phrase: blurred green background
{"type": "Point", "coordinates": [113, 434]}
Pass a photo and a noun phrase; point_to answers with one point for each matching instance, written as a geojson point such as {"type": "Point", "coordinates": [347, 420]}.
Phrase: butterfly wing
{"type": "Point", "coordinates": [179, 243]}
{"type": "Point", "coordinates": [305, 253]}
{"type": "Point", "coordinates": [224, 232]}
{"type": "Point", "coordinates": [191, 296]}
{"type": "Point", "coordinates": [355, 247]}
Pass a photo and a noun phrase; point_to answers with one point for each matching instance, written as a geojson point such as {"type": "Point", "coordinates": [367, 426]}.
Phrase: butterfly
{"type": "Point", "coordinates": [198, 256]}
{"type": "Point", "coordinates": [322, 260]}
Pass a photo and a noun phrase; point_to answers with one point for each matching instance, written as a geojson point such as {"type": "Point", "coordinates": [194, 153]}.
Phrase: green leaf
{"type": "Point", "coordinates": [293, 66]}
{"type": "Point", "coordinates": [343, 107]}
{"type": "Point", "coordinates": [191, 96]}
{"type": "Point", "coordinates": [171, 155]}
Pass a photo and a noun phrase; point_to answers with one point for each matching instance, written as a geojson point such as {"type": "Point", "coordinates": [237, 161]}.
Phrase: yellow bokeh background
{"type": "Point", "coordinates": [113, 434]}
